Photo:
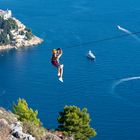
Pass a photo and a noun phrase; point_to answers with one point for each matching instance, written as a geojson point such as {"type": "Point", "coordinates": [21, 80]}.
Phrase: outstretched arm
{"type": "Point", "coordinates": [60, 53]}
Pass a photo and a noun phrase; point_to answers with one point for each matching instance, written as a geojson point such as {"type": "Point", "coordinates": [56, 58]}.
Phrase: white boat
{"type": "Point", "coordinates": [90, 55]}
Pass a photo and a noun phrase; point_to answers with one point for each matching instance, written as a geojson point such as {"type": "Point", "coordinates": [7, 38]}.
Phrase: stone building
{"type": "Point", "coordinates": [5, 14]}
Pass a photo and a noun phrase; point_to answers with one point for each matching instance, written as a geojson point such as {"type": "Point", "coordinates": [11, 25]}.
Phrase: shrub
{"type": "Point", "coordinates": [74, 121]}
{"type": "Point", "coordinates": [21, 33]}
{"type": "Point", "coordinates": [25, 113]}
{"type": "Point", "coordinates": [31, 124]}
{"type": "Point", "coordinates": [6, 26]}
{"type": "Point", "coordinates": [37, 131]}
{"type": "Point", "coordinates": [29, 35]}
{"type": "Point", "coordinates": [4, 39]}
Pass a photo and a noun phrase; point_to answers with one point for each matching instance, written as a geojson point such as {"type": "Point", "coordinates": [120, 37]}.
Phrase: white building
{"type": "Point", "coordinates": [5, 14]}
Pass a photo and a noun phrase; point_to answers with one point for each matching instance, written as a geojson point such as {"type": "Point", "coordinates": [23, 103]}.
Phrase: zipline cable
{"type": "Point", "coordinates": [103, 40]}
{"type": "Point", "coordinates": [100, 40]}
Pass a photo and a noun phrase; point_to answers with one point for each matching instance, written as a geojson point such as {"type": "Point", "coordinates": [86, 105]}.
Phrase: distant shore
{"type": "Point", "coordinates": [34, 41]}
{"type": "Point", "coordinates": [14, 34]}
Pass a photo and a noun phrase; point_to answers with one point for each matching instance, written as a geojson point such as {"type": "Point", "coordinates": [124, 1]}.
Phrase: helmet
{"type": "Point", "coordinates": [54, 51]}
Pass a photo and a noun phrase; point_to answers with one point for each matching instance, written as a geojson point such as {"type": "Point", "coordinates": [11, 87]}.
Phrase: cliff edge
{"type": "Point", "coordinates": [12, 129]}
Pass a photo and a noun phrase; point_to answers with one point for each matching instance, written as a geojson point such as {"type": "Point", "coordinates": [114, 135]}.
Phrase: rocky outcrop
{"type": "Point", "coordinates": [51, 136]}
{"type": "Point", "coordinates": [26, 43]}
{"type": "Point", "coordinates": [16, 131]}
{"type": "Point", "coordinates": [8, 116]}
{"type": "Point", "coordinates": [12, 129]}
{"type": "Point", "coordinates": [4, 130]}
{"type": "Point", "coordinates": [55, 136]}
{"type": "Point", "coordinates": [18, 37]}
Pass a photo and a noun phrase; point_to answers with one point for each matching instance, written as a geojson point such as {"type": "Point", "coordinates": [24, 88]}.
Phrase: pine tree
{"type": "Point", "coordinates": [25, 113]}
{"type": "Point", "coordinates": [74, 121]}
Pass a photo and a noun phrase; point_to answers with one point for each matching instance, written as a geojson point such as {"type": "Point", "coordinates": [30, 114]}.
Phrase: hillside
{"type": "Point", "coordinates": [14, 34]}
{"type": "Point", "coordinates": [12, 129]}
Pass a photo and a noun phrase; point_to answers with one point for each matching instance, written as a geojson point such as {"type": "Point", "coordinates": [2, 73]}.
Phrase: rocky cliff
{"type": "Point", "coordinates": [12, 129]}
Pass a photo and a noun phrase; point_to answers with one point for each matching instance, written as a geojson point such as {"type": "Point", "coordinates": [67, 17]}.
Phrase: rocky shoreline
{"type": "Point", "coordinates": [33, 42]}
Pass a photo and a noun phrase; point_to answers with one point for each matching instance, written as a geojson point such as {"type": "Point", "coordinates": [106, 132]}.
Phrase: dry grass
{"type": "Point", "coordinates": [8, 116]}
{"type": "Point", "coordinates": [36, 131]}
{"type": "Point", "coordinates": [4, 132]}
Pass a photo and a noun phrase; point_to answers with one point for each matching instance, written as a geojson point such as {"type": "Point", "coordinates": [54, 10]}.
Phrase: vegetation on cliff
{"type": "Point", "coordinates": [74, 121]}
{"type": "Point", "coordinates": [25, 113]}
{"type": "Point", "coordinates": [9, 29]}
{"type": "Point", "coordinates": [5, 27]}
{"type": "Point", "coordinates": [31, 123]}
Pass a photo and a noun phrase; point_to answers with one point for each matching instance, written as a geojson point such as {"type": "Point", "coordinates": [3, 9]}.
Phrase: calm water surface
{"type": "Point", "coordinates": [74, 26]}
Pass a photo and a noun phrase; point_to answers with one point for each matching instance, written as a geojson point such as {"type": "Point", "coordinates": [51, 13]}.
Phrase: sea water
{"type": "Point", "coordinates": [76, 27]}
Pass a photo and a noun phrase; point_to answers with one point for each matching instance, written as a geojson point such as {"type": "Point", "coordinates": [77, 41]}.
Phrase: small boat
{"type": "Point", "coordinates": [90, 55]}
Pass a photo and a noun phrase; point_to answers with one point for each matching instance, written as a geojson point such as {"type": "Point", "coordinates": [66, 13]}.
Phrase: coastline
{"type": "Point", "coordinates": [14, 33]}
{"type": "Point", "coordinates": [34, 41]}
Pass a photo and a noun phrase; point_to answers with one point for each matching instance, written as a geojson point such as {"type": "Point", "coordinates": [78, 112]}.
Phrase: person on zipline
{"type": "Point", "coordinates": [56, 54]}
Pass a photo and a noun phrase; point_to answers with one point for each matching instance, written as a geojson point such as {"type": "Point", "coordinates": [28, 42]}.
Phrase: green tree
{"type": "Point", "coordinates": [8, 25]}
{"type": "Point", "coordinates": [21, 33]}
{"type": "Point", "coordinates": [74, 121]}
{"type": "Point", "coordinates": [28, 29]}
{"type": "Point", "coordinates": [29, 35]}
{"type": "Point", "coordinates": [1, 22]}
{"type": "Point", "coordinates": [5, 34]}
{"type": "Point", "coordinates": [12, 23]}
{"type": "Point", "coordinates": [25, 113]}
{"type": "Point", "coordinates": [4, 40]}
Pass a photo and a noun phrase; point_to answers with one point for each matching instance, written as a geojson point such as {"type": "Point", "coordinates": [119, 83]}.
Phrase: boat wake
{"type": "Point", "coordinates": [123, 80]}
{"type": "Point", "coordinates": [128, 32]}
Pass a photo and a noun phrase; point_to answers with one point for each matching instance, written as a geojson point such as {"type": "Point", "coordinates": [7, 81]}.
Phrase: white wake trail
{"type": "Point", "coordinates": [128, 32]}
{"type": "Point", "coordinates": [117, 83]}
{"type": "Point", "coordinates": [124, 80]}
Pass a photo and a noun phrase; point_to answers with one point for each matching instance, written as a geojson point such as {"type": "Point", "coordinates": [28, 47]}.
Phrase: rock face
{"type": "Point", "coordinates": [16, 131]}
{"type": "Point", "coordinates": [51, 136]}
{"type": "Point", "coordinates": [4, 130]}
{"type": "Point", "coordinates": [11, 129]}
{"type": "Point", "coordinates": [8, 116]}
{"type": "Point", "coordinates": [26, 43]}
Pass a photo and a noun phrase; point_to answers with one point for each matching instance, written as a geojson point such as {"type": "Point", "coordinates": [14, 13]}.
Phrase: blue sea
{"type": "Point", "coordinates": [109, 86]}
